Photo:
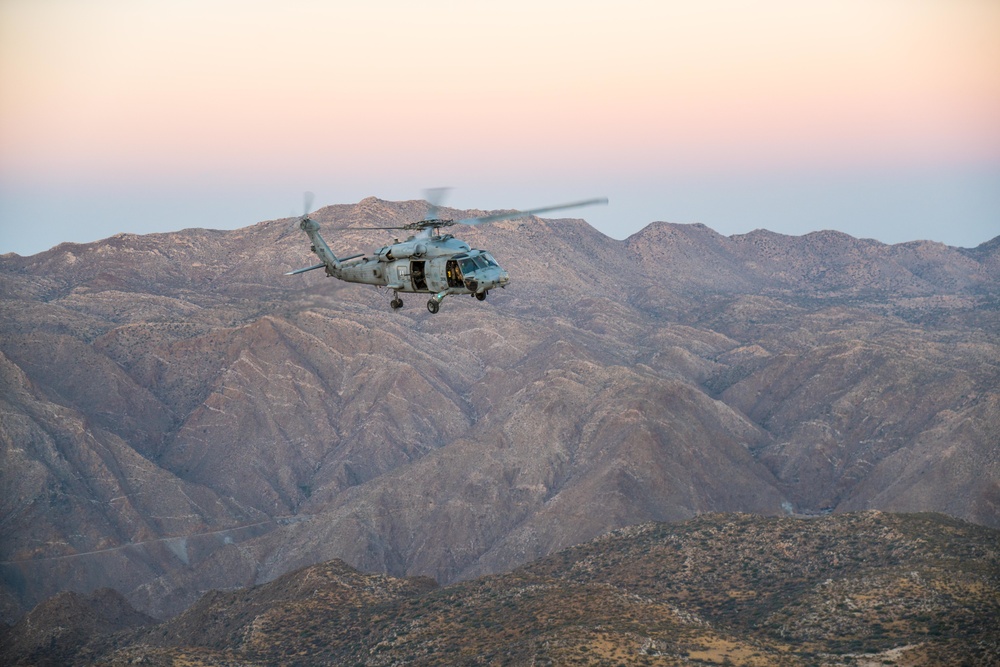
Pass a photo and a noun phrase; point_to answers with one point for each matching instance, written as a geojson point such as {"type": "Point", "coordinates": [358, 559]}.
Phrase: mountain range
{"type": "Point", "coordinates": [179, 416]}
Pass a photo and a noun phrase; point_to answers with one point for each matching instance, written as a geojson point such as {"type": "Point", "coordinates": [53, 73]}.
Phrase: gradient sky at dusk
{"type": "Point", "coordinates": [880, 118]}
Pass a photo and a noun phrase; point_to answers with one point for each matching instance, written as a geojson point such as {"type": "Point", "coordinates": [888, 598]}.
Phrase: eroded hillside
{"type": "Point", "coordinates": [179, 416]}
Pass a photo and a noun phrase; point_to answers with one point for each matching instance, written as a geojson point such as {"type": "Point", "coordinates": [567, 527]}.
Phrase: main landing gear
{"type": "Point", "coordinates": [396, 302]}
{"type": "Point", "coordinates": [434, 303]}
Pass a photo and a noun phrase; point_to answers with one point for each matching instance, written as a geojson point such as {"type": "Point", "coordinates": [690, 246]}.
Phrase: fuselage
{"type": "Point", "coordinates": [426, 263]}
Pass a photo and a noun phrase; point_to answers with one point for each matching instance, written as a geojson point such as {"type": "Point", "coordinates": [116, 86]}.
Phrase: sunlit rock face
{"type": "Point", "coordinates": [178, 415]}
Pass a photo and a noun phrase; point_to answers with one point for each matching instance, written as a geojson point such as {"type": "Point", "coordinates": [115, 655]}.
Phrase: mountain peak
{"type": "Point", "coordinates": [182, 416]}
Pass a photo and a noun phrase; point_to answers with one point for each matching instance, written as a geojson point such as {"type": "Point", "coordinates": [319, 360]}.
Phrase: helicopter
{"type": "Point", "coordinates": [427, 262]}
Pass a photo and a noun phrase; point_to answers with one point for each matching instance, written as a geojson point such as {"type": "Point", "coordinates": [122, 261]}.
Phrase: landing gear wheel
{"type": "Point", "coordinates": [481, 295]}
{"type": "Point", "coordinates": [433, 306]}
{"type": "Point", "coordinates": [396, 303]}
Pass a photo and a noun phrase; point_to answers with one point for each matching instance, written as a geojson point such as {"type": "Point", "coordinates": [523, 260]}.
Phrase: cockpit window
{"type": "Point", "coordinates": [480, 260]}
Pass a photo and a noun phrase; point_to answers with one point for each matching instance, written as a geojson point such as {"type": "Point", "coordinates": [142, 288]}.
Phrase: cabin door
{"type": "Point", "coordinates": [418, 276]}
{"type": "Point", "coordinates": [454, 274]}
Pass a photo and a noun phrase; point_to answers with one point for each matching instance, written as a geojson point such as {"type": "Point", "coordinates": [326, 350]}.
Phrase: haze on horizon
{"type": "Point", "coordinates": [878, 118]}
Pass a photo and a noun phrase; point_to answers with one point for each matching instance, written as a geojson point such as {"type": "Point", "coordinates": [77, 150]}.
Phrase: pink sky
{"type": "Point", "coordinates": [516, 103]}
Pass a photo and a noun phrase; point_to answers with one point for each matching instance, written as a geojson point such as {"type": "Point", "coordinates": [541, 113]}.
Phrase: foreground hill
{"type": "Point", "coordinates": [179, 416]}
{"type": "Point", "coordinates": [867, 588]}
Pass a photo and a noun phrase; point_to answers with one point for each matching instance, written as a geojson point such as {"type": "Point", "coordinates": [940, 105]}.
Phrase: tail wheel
{"type": "Point", "coordinates": [433, 306]}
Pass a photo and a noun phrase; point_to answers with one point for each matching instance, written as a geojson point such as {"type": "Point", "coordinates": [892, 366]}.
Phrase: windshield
{"type": "Point", "coordinates": [473, 264]}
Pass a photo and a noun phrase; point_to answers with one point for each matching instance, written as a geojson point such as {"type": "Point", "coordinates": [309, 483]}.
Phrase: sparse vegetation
{"type": "Point", "coordinates": [868, 588]}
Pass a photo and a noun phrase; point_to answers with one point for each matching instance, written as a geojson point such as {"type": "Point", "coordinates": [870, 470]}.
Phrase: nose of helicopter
{"type": "Point", "coordinates": [484, 280]}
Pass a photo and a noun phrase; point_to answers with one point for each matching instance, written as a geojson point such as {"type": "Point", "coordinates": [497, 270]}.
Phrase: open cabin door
{"type": "Point", "coordinates": [418, 276]}
{"type": "Point", "coordinates": [454, 274]}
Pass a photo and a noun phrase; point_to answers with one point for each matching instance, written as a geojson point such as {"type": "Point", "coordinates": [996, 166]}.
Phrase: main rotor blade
{"type": "Point", "coordinates": [523, 214]}
{"type": "Point", "coordinates": [307, 202]}
{"type": "Point", "coordinates": [434, 197]}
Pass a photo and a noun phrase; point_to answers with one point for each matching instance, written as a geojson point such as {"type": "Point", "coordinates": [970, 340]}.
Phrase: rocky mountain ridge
{"type": "Point", "coordinates": [179, 416]}
{"type": "Point", "coordinates": [864, 588]}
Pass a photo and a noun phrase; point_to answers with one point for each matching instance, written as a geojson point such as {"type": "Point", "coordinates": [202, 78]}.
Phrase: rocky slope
{"type": "Point", "coordinates": [179, 416]}
{"type": "Point", "coordinates": [57, 631]}
{"type": "Point", "coordinates": [855, 589]}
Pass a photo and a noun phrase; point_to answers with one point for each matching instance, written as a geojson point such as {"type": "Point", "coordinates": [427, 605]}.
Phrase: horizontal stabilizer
{"type": "Point", "coordinates": [308, 268]}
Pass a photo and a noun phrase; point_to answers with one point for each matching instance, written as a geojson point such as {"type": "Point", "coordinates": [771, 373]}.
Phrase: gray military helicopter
{"type": "Point", "coordinates": [427, 262]}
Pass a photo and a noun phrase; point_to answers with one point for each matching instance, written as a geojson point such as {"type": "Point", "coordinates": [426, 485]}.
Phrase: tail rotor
{"type": "Point", "coordinates": [299, 222]}
{"type": "Point", "coordinates": [307, 202]}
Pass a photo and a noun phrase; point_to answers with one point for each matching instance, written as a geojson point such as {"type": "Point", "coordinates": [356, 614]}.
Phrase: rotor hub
{"type": "Point", "coordinates": [421, 225]}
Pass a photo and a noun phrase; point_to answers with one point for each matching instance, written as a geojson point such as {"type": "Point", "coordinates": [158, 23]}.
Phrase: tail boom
{"type": "Point", "coordinates": [319, 246]}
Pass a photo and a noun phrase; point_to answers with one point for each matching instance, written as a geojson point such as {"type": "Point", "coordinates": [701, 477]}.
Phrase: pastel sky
{"type": "Point", "coordinates": [880, 118]}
